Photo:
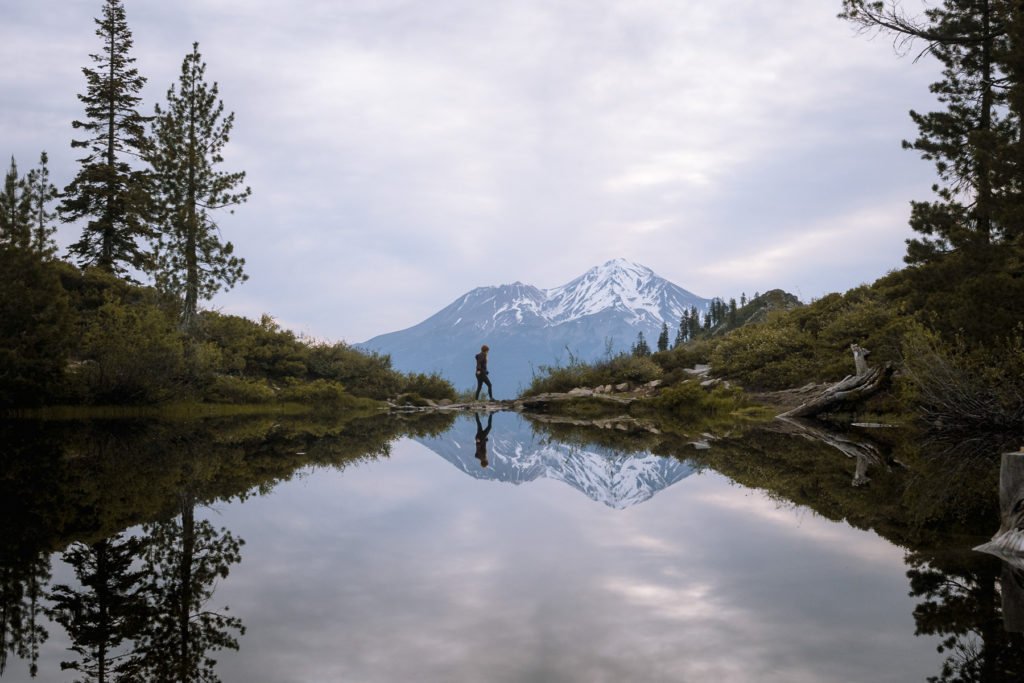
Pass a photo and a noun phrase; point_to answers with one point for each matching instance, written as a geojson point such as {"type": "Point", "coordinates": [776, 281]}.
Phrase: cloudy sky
{"type": "Point", "coordinates": [403, 152]}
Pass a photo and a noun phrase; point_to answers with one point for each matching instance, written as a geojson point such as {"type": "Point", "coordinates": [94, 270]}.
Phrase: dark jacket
{"type": "Point", "coordinates": [481, 363]}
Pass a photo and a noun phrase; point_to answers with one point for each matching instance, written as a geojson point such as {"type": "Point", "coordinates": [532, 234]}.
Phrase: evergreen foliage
{"type": "Point", "coordinates": [663, 338]}
{"type": "Point", "coordinates": [109, 608]}
{"type": "Point", "coordinates": [640, 349]}
{"type": "Point", "coordinates": [108, 190]}
{"type": "Point", "coordinates": [40, 193]}
{"type": "Point", "coordinates": [15, 210]}
{"type": "Point", "coordinates": [188, 139]}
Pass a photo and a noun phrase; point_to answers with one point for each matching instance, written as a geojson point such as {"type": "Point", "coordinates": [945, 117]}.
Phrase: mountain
{"type": "Point", "coordinates": [527, 327]}
{"type": "Point", "coordinates": [516, 456]}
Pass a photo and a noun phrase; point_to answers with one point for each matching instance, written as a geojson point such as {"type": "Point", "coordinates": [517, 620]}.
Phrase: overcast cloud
{"type": "Point", "coordinates": [402, 152]}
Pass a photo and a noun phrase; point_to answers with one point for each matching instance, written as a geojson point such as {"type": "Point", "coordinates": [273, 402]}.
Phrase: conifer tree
{"type": "Point", "coordinates": [188, 139]}
{"type": "Point", "coordinates": [663, 337]}
{"type": "Point", "coordinates": [15, 228]}
{"type": "Point", "coordinates": [108, 190]}
{"type": "Point", "coordinates": [966, 36]}
{"type": "Point", "coordinates": [693, 322]}
{"type": "Point", "coordinates": [40, 194]}
{"type": "Point", "coordinates": [640, 348]}
{"type": "Point", "coordinates": [682, 331]}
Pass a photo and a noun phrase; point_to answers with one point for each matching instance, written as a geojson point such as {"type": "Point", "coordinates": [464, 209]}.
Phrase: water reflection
{"type": "Point", "coordinates": [615, 473]}
{"type": "Point", "coordinates": [481, 438]}
{"type": "Point", "coordinates": [118, 501]}
{"type": "Point", "coordinates": [392, 562]}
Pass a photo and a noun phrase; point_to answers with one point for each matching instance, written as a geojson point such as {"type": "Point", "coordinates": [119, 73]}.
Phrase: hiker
{"type": "Point", "coordinates": [481, 373]}
{"type": "Point", "coordinates": [481, 438]}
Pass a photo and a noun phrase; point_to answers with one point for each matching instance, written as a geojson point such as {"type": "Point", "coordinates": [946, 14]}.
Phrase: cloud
{"type": "Point", "coordinates": [402, 153]}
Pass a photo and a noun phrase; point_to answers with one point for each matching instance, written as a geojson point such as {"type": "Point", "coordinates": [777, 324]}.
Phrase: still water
{"type": "Point", "coordinates": [386, 551]}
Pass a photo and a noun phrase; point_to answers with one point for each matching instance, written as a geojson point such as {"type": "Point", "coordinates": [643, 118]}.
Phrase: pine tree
{"type": "Point", "coordinates": [663, 337]}
{"type": "Point", "coordinates": [682, 331]}
{"type": "Point", "coordinates": [965, 36]}
{"type": "Point", "coordinates": [15, 226]}
{"type": "Point", "coordinates": [108, 191]}
{"type": "Point", "coordinates": [693, 322]}
{"type": "Point", "coordinates": [640, 348]}
{"type": "Point", "coordinates": [188, 138]}
{"type": "Point", "coordinates": [40, 193]}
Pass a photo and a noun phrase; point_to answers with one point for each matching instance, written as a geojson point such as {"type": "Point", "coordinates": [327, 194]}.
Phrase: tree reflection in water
{"type": "Point", "coordinates": [144, 608]}
{"type": "Point", "coordinates": [184, 558]}
{"type": "Point", "coordinates": [21, 590]}
{"type": "Point", "coordinates": [105, 614]}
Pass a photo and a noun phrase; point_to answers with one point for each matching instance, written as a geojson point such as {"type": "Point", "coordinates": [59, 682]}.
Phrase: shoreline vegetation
{"type": "Point", "coordinates": [89, 337]}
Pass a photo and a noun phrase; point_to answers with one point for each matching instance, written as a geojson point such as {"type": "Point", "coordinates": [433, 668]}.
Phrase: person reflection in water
{"type": "Point", "coordinates": [481, 373]}
{"type": "Point", "coordinates": [481, 438]}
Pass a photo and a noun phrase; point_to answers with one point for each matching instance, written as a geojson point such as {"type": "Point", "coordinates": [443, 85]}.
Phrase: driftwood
{"type": "Point", "coordinates": [862, 449]}
{"type": "Point", "coordinates": [1008, 543]}
{"type": "Point", "coordinates": [866, 382]}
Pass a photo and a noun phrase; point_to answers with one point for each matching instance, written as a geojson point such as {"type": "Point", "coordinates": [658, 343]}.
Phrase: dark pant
{"type": "Point", "coordinates": [481, 380]}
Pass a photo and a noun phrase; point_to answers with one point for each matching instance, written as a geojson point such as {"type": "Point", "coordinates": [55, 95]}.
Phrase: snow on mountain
{"type": "Point", "coordinates": [622, 286]}
{"type": "Point", "coordinates": [527, 327]}
{"type": "Point", "coordinates": [618, 480]}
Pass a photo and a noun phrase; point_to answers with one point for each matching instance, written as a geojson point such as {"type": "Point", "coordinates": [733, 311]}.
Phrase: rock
{"type": "Point", "coordinates": [653, 384]}
{"type": "Point", "coordinates": [445, 402]}
{"type": "Point", "coordinates": [709, 382]}
{"type": "Point", "coordinates": [622, 387]}
{"type": "Point", "coordinates": [700, 445]}
{"type": "Point", "coordinates": [581, 391]}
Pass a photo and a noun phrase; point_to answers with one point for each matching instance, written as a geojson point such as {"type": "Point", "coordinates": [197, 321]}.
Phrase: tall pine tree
{"type": "Point", "coordinates": [965, 36]}
{"type": "Point", "coordinates": [663, 338]}
{"type": "Point", "coordinates": [108, 191]}
{"type": "Point", "coordinates": [40, 194]}
{"type": "Point", "coordinates": [15, 211]}
{"type": "Point", "coordinates": [188, 139]}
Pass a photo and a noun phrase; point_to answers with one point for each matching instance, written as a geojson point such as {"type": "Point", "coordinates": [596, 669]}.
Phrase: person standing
{"type": "Point", "coordinates": [481, 373]}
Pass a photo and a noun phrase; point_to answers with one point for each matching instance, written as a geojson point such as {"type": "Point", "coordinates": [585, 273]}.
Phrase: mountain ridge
{"type": "Point", "coordinates": [603, 309]}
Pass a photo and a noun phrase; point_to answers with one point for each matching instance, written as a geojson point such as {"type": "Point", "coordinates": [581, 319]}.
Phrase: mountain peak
{"type": "Point", "coordinates": [604, 308]}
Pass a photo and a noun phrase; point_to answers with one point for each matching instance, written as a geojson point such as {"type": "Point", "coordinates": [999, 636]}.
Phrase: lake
{"type": "Point", "coordinates": [383, 549]}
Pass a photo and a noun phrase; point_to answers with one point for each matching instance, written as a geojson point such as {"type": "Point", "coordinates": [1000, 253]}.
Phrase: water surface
{"type": "Point", "coordinates": [363, 558]}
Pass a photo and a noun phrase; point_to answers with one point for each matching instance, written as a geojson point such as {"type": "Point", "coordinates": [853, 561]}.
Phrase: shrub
{"type": "Point", "coordinates": [229, 389]}
{"type": "Point", "coordinates": [623, 367]}
{"type": "Point", "coordinates": [429, 386]}
{"type": "Point", "coordinates": [137, 354]}
{"type": "Point", "coordinates": [319, 392]}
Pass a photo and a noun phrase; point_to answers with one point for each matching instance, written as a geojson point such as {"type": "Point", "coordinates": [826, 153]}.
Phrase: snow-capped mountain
{"type": "Point", "coordinates": [527, 327]}
{"type": "Point", "coordinates": [515, 455]}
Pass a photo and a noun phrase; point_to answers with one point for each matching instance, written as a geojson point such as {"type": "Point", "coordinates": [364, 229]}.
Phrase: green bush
{"type": "Point", "coordinates": [35, 325]}
{"type": "Point", "coordinates": [429, 386]}
{"type": "Point", "coordinates": [136, 354]}
{"type": "Point", "coordinates": [319, 392]}
{"type": "Point", "coordinates": [624, 367]}
{"type": "Point", "coordinates": [230, 389]}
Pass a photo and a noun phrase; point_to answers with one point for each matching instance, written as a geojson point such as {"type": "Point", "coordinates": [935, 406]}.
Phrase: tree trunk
{"type": "Point", "coordinates": [853, 387]}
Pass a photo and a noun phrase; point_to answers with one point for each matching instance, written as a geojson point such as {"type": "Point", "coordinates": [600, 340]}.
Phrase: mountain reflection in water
{"type": "Point", "coordinates": [277, 549]}
{"type": "Point", "coordinates": [618, 478]}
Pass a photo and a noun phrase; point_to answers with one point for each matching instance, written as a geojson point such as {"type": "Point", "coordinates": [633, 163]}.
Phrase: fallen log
{"type": "Point", "coordinates": [852, 387]}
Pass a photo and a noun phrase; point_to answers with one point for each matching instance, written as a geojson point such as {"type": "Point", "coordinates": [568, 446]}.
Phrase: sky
{"type": "Point", "coordinates": [404, 152]}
